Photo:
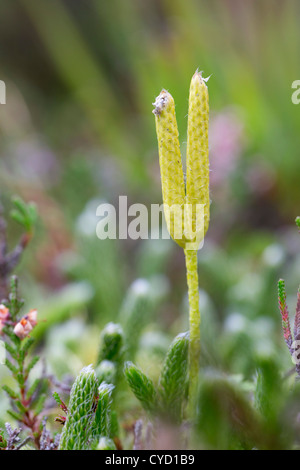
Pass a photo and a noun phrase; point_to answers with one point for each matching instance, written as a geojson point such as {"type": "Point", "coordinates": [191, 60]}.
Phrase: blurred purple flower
{"type": "Point", "coordinates": [226, 135]}
{"type": "Point", "coordinates": [33, 162]}
{"type": "Point", "coordinates": [260, 177]}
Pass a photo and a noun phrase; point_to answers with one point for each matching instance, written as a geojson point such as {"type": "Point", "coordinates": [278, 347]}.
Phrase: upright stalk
{"type": "Point", "coordinates": [194, 325]}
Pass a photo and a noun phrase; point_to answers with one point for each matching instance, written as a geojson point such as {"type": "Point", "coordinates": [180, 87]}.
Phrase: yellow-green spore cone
{"type": "Point", "coordinates": [172, 179]}
{"type": "Point", "coordinates": [197, 164]}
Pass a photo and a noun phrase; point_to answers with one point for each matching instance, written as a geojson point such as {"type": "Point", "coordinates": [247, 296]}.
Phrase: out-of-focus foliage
{"type": "Point", "coordinates": [77, 130]}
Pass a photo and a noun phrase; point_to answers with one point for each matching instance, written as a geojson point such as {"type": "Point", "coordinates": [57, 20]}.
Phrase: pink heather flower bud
{"type": "Point", "coordinates": [4, 312]}
{"type": "Point", "coordinates": [23, 328]}
{"type": "Point", "coordinates": [32, 317]}
{"type": "Point", "coordinates": [4, 315]}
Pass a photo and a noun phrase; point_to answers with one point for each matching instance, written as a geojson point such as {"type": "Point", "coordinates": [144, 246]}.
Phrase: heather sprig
{"type": "Point", "coordinates": [297, 317]}
{"type": "Point", "coordinates": [28, 398]}
{"type": "Point", "coordinates": [47, 441]}
{"type": "Point", "coordinates": [26, 215]}
{"type": "Point", "coordinates": [284, 314]}
{"type": "Point", "coordinates": [12, 440]}
{"type": "Point", "coordinates": [292, 340]}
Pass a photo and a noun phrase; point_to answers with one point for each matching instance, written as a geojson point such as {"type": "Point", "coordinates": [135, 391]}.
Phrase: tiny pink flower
{"type": "Point", "coordinates": [26, 324]}
{"type": "Point", "coordinates": [4, 312]}
{"type": "Point", "coordinates": [23, 328]}
{"type": "Point", "coordinates": [4, 316]}
{"type": "Point", "coordinates": [32, 317]}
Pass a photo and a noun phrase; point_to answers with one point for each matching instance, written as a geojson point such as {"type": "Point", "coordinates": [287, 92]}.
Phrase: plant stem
{"type": "Point", "coordinates": [194, 322]}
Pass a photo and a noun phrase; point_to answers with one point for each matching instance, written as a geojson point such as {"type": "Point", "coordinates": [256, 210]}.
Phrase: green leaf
{"type": "Point", "coordinates": [26, 345]}
{"type": "Point", "coordinates": [33, 388]}
{"type": "Point", "coordinates": [11, 367]}
{"type": "Point", "coordinates": [9, 332]}
{"type": "Point", "coordinates": [15, 415]}
{"type": "Point", "coordinates": [32, 363]}
{"type": "Point", "coordinates": [57, 399]}
{"type": "Point", "coordinates": [11, 351]}
{"type": "Point", "coordinates": [14, 303]}
{"type": "Point", "coordinates": [39, 406]}
{"type": "Point", "coordinates": [21, 407]}
{"type": "Point", "coordinates": [20, 379]}
{"type": "Point", "coordinates": [24, 213]}
{"type": "Point", "coordinates": [10, 392]}
{"type": "Point", "coordinates": [17, 217]}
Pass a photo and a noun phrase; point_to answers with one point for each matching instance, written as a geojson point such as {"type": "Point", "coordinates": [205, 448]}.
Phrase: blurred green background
{"type": "Point", "coordinates": [78, 130]}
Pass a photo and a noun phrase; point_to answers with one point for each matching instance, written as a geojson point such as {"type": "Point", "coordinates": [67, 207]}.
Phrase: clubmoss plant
{"type": "Point", "coordinates": [88, 413]}
{"type": "Point", "coordinates": [227, 418]}
{"type": "Point", "coordinates": [268, 391]}
{"type": "Point", "coordinates": [139, 304]}
{"type": "Point", "coordinates": [81, 412]}
{"type": "Point", "coordinates": [106, 371]}
{"type": "Point", "coordinates": [109, 374]}
{"type": "Point", "coordinates": [111, 343]}
{"type": "Point", "coordinates": [142, 386]}
{"type": "Point", "coordinates": [167, 398]}
{"type": "Point", "coordinates": [186, 206]}
{"type": "Point", "coordinates": [103, 412]}
{"type": "Point", "coordinates": [172, 381]}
